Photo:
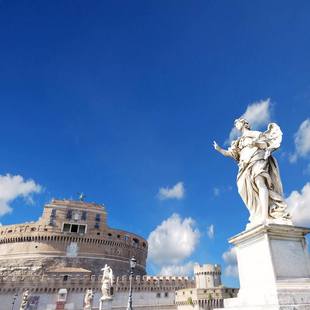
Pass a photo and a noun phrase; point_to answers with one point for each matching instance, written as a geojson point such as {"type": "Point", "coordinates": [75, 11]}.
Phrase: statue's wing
{"type": "Point", "coordinates": [273, 136]}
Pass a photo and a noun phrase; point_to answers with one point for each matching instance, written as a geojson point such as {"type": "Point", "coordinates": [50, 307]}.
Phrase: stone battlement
{"type": "Point", "coordinates": [207, 269]}
{"type": "Point", "coordinates": [81, 282]}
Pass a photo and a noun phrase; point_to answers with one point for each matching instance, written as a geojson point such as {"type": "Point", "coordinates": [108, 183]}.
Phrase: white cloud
{"type": "Point", "coordinates": [257, 114]}
{"type": "Point", "coordinates": [14, 186]}
{"type": "Point", "coordinates": [307, 169]}
{"type": "Point", "coordinates": [211, 231]}
{"type": "Point", "coordinates": [302, 141]}
{"type": "Point", "coordinates": [231, 271]}
{"type": "Point", "coordinates": [299, 206]}
{"type": "Point", "coordinates": [173, 240]}
{"type": "Point", "coordinates": [177, 270]}
{"type": "Point", "coordinates": [216, 191]}
{"type": "Point", "coordinates": [230, 259]}
{"type": "Point", "coordinates": [175, 192]}
{"type": "Point", "coordinates": [230, 256]}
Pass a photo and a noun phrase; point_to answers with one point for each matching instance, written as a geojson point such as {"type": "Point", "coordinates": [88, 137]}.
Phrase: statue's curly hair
{"type": "Point", "coordinates": [243, 121]}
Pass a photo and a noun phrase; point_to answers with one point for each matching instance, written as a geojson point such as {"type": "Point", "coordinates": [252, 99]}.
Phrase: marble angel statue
{"type": "Point", "coordinates": [107, 282]}
{"type": "Point", "coordinates": [88, 300]}
{"type": "Point", "coordinates": [25, 300]}
{"type": "Point", "coordinates": [258, 180]}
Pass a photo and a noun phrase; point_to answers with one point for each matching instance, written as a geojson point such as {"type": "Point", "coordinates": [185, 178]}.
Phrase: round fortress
{"type": "Point", "coordinates": [70, 235]}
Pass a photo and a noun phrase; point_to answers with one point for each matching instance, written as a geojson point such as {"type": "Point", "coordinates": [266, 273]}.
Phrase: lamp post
{"type": "Point", "coordinates": [14, 299]}
{"type": "Point", "coordinates": [133, 263]}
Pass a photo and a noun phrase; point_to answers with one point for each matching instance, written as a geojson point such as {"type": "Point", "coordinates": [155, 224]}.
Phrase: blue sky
{"type": "Point", "coordinates": [121, 98]}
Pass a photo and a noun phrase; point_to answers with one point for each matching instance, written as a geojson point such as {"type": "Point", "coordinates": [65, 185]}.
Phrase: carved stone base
{"type": "Point", "coordinates": [274, 269]}
{"type": "Point", "coordinates": [60, 305]}
{"type": "Point", "coordinates": [105, 304]}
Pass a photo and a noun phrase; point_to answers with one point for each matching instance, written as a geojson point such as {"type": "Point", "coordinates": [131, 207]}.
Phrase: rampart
{"type": "Point", "coordinates": [51, 284]}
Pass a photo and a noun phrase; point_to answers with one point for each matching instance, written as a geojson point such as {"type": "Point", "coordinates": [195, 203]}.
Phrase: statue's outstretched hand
{"type": "Point", "coordinates": [216, 146]}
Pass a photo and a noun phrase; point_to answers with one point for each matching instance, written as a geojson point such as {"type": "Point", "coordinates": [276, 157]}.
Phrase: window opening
{"type": "Point", "coordinates": [74, 228]}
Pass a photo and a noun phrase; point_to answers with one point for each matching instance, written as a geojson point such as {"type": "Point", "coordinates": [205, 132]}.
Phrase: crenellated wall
{"type": "Point", "coordinates": [80, 282]}
{"type": "Point", "coordinates": [149, 292]}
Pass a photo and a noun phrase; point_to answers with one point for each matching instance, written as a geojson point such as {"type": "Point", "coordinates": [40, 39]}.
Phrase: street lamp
{"type": "Point", "coordinates": [133, 263]}
{"type": "Point", "coordinates": [14, 299]}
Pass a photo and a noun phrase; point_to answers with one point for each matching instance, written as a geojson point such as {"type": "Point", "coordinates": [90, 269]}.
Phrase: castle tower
{"type": "Point", "coordinates": [70, 235]}
{"type": "Point", "coordinates": [207, 276]}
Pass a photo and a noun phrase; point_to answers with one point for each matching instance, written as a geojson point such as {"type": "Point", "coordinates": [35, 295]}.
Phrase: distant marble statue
{"type": "Point", "coordinates": [258, 180]}
{"type": "Point", "coordinates": [88, 300]}
{"type": "Point", "coordinates": [107, 282]}
{"type": "Point", "coordinates": [25, 300]}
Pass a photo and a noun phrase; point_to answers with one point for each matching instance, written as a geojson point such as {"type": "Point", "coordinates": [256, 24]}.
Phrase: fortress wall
{"type": "Point", "coordinates": [148, 292]}
{"type": "Point", "coordinates": [77, 282]}
{"type": "Point", "coordinates": [126, 241]}
{"type": "Point", "coordinates": [92, 247]}
{"type": "Point", "coordinates": [39, 265]}
{"type": "Point", "coordinates": [11, 234]}
{"type": "Point", "coordinates": [85, 252]}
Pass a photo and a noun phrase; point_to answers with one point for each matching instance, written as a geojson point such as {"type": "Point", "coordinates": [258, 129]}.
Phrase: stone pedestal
{"type": "Point", "coordinates": [105, 304]}
{"type": "Point", "coordinates": [60, 305]}
{"type": "Point", "coordinates": [274, 269]}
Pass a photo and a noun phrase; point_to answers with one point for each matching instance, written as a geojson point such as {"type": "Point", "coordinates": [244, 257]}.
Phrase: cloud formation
{"type": "Point", "coordinates": [175, 192]}
{"type": "Point", "coordinates": [302, 141]}
{"type": "Point", "coordinates": [299, 206]}
{"type": "Point", "coordinates": [307, 170]}
{"type": "Point", "coordinates": [14, 186]}
{"type": "Point", "coordinates": [177, 270]}
{"type": "Point", "coordinates": [258, 115]}
{"type": "Point", "coordinates": [173, 240]}
{"type": "Point", "coordinates": [210, 231]}
{"type": "Point", "coordinates": [216, 191]}
{"type": "Point", "coordinates": [229, 257]}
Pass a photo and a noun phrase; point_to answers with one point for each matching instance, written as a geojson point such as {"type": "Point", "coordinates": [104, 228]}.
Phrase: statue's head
{"type": "Point", "coordinates": [89, 294]}
{"type": "Point", "coordinates": [241, 123]}
{"type": "Point", "coordinates": [25, 294]}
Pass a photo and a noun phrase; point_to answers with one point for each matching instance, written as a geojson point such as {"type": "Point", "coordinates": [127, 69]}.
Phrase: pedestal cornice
{"type": "Point", "coordinates": [275, 230]}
